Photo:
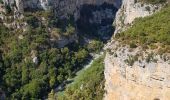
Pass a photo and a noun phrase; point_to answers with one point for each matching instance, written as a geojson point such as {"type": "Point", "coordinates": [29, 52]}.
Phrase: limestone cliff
{"type": "Point", "coordinates": [64, 7]}
{"type": "Point", "coordinates": [94, 15]}
{"type": "Point", "coordinates": [134, 73]}
{"type": "Point", "coordinates": [130, 10]}
{"type": "Point", "coordinates": [136, 80]}
{"type": "Point", "coordinates": [102, 13]}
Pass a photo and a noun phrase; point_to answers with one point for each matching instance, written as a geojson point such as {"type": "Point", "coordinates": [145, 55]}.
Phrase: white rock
{"type": "Point", "coordinates": [137, 82]}
{"type": "Point", "coordinates": [35, 60]}
{"type": "Point", "coordinates": [21, 37]}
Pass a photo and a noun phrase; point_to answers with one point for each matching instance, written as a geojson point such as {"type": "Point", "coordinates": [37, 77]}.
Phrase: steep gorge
{"type": "Point", "coordinates": [125, 79]}
{"type": "Point", "coordinates": [46, 34]}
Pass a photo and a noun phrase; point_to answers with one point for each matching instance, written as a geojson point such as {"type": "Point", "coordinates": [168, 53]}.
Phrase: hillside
{"type": "Point", "coordinates": [137, 63]}
{"type": "Point", "coordinates": [88, 85]}
{"type": "Point", "coordinates": [49, 49]}
{"type": "Point", "coordinates": [149, 32]}
{"type": "Point", "coordinates": [39, 50]}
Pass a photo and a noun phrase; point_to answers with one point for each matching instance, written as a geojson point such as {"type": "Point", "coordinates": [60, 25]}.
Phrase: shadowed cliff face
{"type": "Point", "coordinates": [67, 6]}
{"type": "Point", "coordinates": [93, 17]}
{"type": "Point", "coordinates": [97, 20]}
{"type": "Point", "coordinates": [93, 21]}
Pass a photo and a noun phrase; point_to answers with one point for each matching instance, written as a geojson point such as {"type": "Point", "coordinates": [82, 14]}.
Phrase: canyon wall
{"type": "Point", "coordinates": [128, 73]}
{"type": "Point", "coordinates": [94, 15]}
{"type": "Point", "coordinates": [141, 80]}
{"type": "Point", "coordinates": [63, 7]}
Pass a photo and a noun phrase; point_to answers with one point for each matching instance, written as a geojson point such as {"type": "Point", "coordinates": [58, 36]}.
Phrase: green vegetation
{"type": "Point", "coordinates": [1, 1]}
{"type": "Point", "coordinates": [8, 9]}
{"type": "Point", "coordinates": [149, 31]}
{"type": "Point", "coordinates": [32, 21]}
{"type": "Point", "coordinates": [133, 45]}
{"type": "Point", "coordinates": [131, 60]}
{"type": "Point", "coordinates": [89, 85]}
{"type": "Point", "coordinates": [153, 1]}
{"type": "Point", "coordinates": [20, 77]}
{"type": "Point", "coordinates": [150, 58]}
{"type": "Point", "coordinates": [95, 46]}
{"type": "Point", "coordinates": [23, 79]}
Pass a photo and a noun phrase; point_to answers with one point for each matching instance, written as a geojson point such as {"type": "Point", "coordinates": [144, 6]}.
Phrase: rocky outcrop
{"type": "Point", "coordinates": [20, 5]}
{"type": "Point", "coordinates": [71, 6]}
{"type": "Point", "coordinates": [130, 10]}
{"type": "Point", "coordinates": [131, 76]}
{"type": "Point", "coordinates": [61, 42]}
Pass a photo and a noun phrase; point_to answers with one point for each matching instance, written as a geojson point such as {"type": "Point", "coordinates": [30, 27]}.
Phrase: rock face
{"type": "Point", "coordinates": [96, 19]}
{"type": "Point", "coordinates": [131, 74]}
{"type": "Point", "coordinates": [138, 80]}
{"type": "Point", "coordinates": [64, 40]}
{"type": "Point", "coordinates": [99, 14]}
{"type": "Point", "coordinates": [94, 15]}
{"type": "Point", "coordinates": [65, 6]}
{"type": "Point", "coordinates": [130, 10]}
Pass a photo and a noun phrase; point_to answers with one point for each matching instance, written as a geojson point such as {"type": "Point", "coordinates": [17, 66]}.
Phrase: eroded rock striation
{"type": "Point", "coordinates": [131, 76]}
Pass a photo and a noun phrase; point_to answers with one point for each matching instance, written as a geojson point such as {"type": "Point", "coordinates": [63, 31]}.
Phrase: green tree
{"type": "Point", "coordinates": [25, 74]}
{"type": "Point", "coordinates": [52, 74]}
{"type": "Point", "coordinates": [81, 55]}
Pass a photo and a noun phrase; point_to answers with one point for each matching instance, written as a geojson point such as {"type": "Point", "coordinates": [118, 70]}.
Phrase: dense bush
{"type": "Point", "coordinates": [153, 1]}
{"type": "Point", "coordinates": [32, 20]}
{"type": "Point", "coordinates": [8, 9]}
{"type": "Point", "coordinates": [20, 78]}
{"type": "Point", "coordinates": [1, 1]}
{"type": "Point", "coordinates": [89, 85]}
{"type": "Point", "coordinates": [95, 46]}
{"type": "Point", "coordinates": [149, 30]}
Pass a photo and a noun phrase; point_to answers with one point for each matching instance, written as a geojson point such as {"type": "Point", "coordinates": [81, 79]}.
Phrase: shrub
{"type": "Point", "coordinates": [149, 58]}
{"type": "Point", "coordinates": [131, 60]}
{"type": "Point", "coordinates": [95, 46]}
{"type": "Point", "coordinates": [8, 9]}
{"type": "Point", "coordinates": [1, 1]}
{"type": "Point", "coordinates": [89, 85]}
{"type": "Point", "coordinates": [33, 21]}
{"type": "Point", "coordinates": [153, 1]}
{"type": "Point", "coordinates": [70, 30]}
{"type": "Point", "coordinates": [149, 30]}
{"type": "Point", "coordinates": [133, 45]}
